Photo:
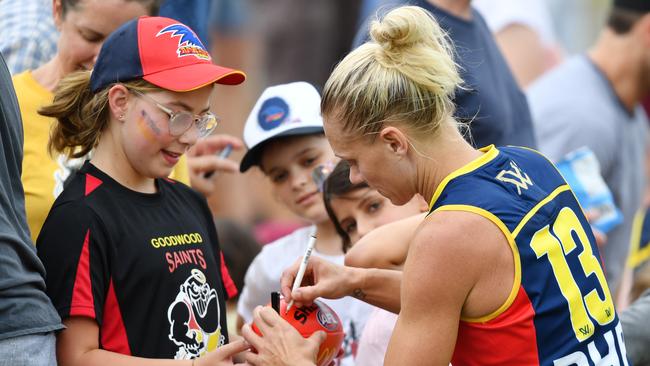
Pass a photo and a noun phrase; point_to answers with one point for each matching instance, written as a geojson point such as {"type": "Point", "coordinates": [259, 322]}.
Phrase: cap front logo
{"type": "Point", "coordinates": [188, 43]}
{"type": "Point", "coordinates": [272, 113]}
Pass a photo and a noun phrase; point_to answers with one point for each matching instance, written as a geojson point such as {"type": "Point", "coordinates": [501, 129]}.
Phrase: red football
{"type": "Point", "coordinates": [310, 319]}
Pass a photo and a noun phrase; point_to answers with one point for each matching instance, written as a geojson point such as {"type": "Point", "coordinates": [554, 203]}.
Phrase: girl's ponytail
{"type": "Point", "coordinates": [81, 116]}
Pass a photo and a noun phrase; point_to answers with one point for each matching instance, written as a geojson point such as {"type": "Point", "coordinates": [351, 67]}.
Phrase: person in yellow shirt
{"type": "Point", "coordinates": [83, 26]}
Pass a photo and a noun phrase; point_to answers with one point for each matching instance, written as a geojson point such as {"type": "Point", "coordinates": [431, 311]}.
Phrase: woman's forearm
{"type": "Point", "coordinates": [378, 287]}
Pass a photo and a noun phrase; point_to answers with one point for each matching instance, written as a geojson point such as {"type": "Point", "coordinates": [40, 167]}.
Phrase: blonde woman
{"type": "Point", "coordinates": [503, 271]}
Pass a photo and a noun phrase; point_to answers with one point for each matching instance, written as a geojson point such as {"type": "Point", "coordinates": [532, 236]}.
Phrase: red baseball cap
{"type": "Point", "coordinates": [161, 51]}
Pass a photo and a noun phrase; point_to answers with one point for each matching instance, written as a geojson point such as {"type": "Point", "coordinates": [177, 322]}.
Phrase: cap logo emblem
{"type": "Point", "coordinates": [188, 43]}
{"type": "Point", "coordinates": [272, 113]}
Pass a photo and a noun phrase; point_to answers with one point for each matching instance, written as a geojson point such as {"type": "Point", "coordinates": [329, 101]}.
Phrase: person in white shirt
{"type": "Point", "coordinates": [285, 138]}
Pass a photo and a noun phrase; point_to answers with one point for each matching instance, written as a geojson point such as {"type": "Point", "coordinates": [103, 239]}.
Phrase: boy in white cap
{"type": "Point", "coordinates": [284, 135]}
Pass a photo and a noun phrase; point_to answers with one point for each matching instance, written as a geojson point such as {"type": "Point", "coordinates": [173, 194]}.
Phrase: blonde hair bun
{"type": "Point", "coordinates": [405, 73]}
{"type": "Point", "coordinates": [402, 27]}
{"type": "Point", "coordinates": [409, 37]}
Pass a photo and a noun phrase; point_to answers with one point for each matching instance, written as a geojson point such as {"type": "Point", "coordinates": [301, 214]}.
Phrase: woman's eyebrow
{"type": "Point", "coordinates": [91, 32]}
{"type": "Point", "coordinates": [365, 198]}
{"type": "Point", "coordinates": [303, 152]}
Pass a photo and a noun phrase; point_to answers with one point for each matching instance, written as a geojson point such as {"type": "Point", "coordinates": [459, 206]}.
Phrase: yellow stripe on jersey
{"type": "Point", "coordinates": [638, 255]}
{"type": "Point", "coordinates": [515, 254]}
{"type": "Point", "coordinates": [539, 205]}
{"type": "Point", "coordinates": [491, 152]}
{"type": "Point", "coordinates": [556, 169]}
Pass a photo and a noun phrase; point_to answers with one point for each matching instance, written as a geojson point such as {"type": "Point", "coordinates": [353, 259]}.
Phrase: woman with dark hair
{"type": "Point", "coordinates": [356, 210]}
{"type": "Point", "coordinates": [336, 185]}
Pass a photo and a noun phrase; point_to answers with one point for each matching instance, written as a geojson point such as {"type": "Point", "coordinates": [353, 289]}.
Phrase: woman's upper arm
{"type": "Point", "coordinates": [386, 246]}
{"type": "Point", "coordinates": [439, 274]}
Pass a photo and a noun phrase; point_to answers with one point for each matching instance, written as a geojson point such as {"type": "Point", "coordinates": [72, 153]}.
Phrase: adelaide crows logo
{"type": "Point", "coordinates": [188, 43]}
{"type": "Point", "coordinates": [272, 113]}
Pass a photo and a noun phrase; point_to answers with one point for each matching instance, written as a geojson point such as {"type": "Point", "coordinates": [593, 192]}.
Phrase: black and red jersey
{"type": "Point", "coordinates": [146, 267]}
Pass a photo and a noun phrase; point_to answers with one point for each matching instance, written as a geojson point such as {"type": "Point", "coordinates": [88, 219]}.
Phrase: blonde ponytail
{"type": "Point", "coordinates": [404, 74]}
{"type": "Point", "coordinates": [81, 116]}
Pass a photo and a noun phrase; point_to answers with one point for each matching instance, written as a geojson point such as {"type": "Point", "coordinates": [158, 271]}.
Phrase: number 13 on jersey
{"type": "Point", "coordinates": [584, 305]}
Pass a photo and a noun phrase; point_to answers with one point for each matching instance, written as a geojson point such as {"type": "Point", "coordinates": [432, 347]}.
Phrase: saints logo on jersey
{"type": "Point", "coordinates": [194, 318]}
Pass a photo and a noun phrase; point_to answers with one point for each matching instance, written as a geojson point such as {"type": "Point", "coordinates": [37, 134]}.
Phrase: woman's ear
{"type": "Point", "coordinates": [118, 101]}
{"type": "Point", "coordinates": [57, 13]}
{"type": "Point", "coordinates": [395, 140]}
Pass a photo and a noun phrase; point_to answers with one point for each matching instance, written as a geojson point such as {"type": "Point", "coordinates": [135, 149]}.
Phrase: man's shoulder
{"type": "Point", "coordinates": [572, 92]}
{"type": "Point", "coordinates": [558, 85]}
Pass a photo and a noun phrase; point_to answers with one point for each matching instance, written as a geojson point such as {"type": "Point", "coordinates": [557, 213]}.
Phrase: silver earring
{"type": "Point", "coordinates": [121, 117]}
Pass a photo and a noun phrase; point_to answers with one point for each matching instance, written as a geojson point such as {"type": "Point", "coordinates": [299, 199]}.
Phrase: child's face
{"type": "Point", "coordinates": [289, 163]}
{"type": "Point", "coordinates": [145, 135]}
{"type": "Point", "coordinates": [364, 209]}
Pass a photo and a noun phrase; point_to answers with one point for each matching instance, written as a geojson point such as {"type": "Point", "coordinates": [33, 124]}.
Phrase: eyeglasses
{"type": "Point", "coordinates": [181, 121]}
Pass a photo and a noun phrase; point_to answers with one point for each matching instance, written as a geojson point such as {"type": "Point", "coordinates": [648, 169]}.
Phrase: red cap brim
{"type": "Point", "coordinates": [192, 77]}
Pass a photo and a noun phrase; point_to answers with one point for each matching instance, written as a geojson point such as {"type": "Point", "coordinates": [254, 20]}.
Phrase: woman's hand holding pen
{"type": "Point", "coordinates": [208, 158]}
{"type": "Point", "coordinates": [321, 279]}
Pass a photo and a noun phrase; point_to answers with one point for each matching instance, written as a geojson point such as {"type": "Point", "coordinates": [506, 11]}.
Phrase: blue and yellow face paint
{"type": "Point", "coordinates": [148, 127]}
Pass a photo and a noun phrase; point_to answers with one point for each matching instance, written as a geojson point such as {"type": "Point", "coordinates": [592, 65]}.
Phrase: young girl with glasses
{"type": "Point", "coordinates": [83, 26]}
{"type": "Point", "coordinates": [133, 260]}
